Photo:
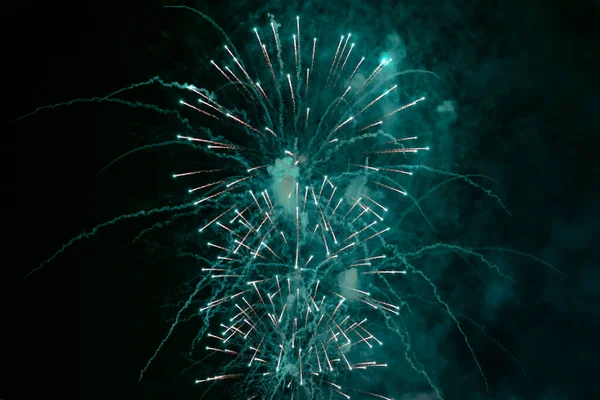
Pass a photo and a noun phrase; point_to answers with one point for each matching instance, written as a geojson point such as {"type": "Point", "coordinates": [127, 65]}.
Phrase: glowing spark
{"type": "Point", "coordinates": [292, 93]}
{"type": "Point", "coordinates": [391, 188]}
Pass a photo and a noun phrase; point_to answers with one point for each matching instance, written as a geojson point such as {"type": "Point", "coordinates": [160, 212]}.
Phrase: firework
{"type": "Point", "coordinates": [294, 263]}
{"type": "Point", "coordinates": [293, 203]}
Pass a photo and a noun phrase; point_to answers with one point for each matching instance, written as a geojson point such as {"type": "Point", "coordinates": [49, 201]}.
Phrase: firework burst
{"type": "Point", "coordinates": [299, 174]}
{"type": "Point", "coordinates": [298, 332]}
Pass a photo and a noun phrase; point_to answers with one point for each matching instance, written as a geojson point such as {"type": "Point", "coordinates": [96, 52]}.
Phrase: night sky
{"type": "Point", "coordinates": [521, 81]}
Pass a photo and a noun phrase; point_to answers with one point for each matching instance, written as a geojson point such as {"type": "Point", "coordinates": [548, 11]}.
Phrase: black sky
{"type": "Point", "coordinates": [524, 76]}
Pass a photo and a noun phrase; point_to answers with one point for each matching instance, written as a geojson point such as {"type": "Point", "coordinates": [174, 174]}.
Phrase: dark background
{"type": "Point", "coordinates": [524, 74]}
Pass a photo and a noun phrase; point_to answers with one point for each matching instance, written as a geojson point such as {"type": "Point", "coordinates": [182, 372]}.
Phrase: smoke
{"type": "Point", "coordinates": [283, 185]}
{"type": "Point", "coordinates": [348, 281]}
{"type": "Point", "coordinates": [357, 186]}
{"type": "Point", "coordinates": [447, 111]}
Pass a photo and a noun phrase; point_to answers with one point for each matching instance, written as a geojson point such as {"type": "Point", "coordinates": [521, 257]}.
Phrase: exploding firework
{"type": "Point", "coordinates": [299, 332]}
{"type": "Point", "coordinates": [299, 277]}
